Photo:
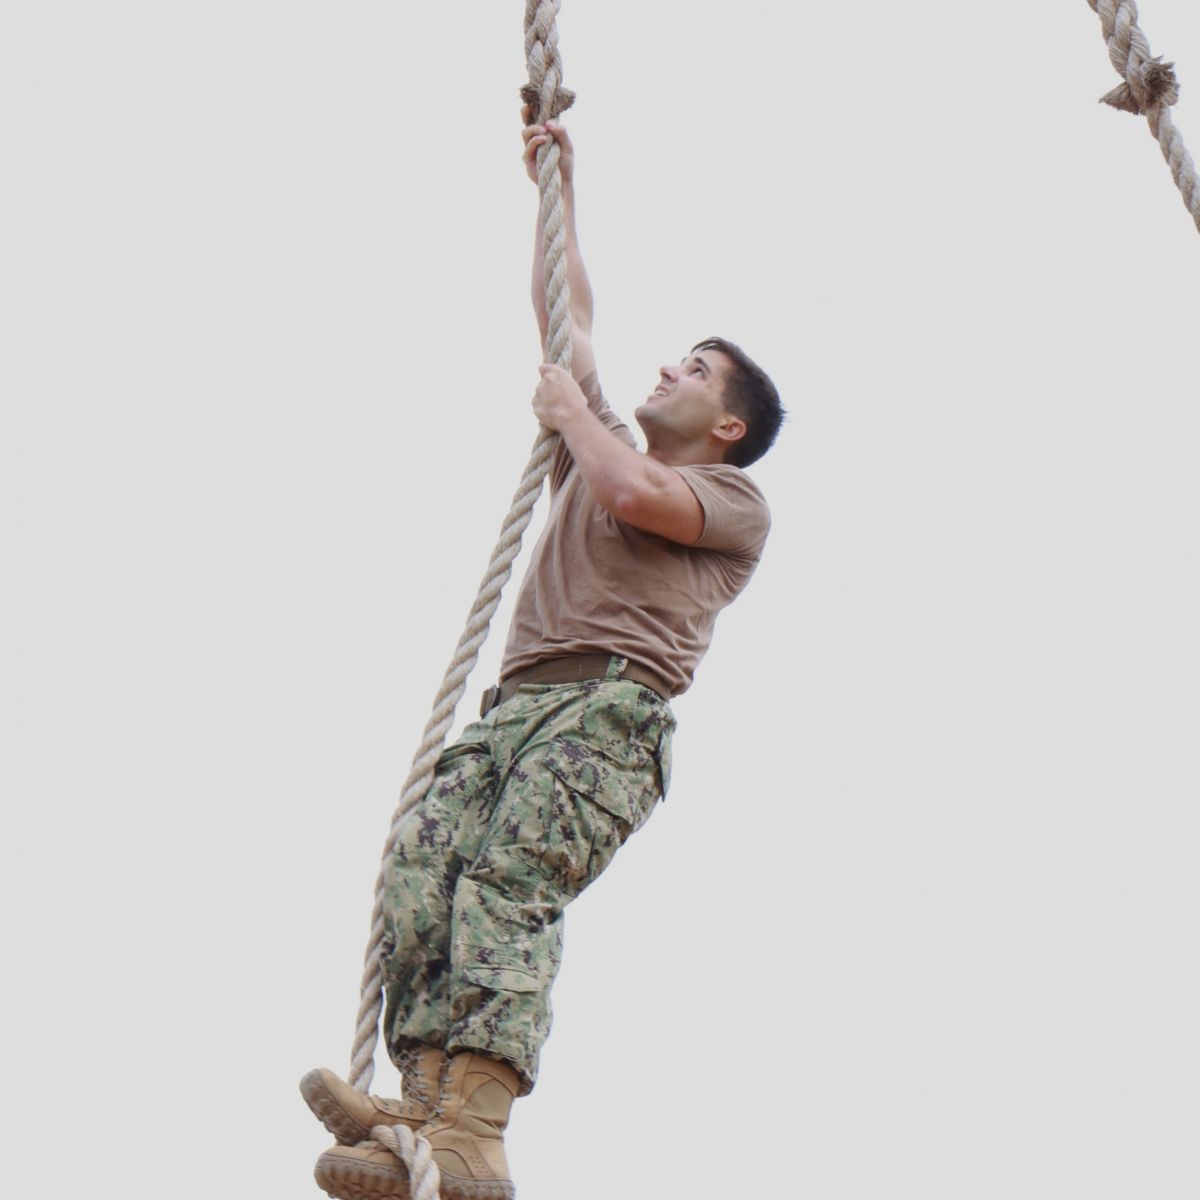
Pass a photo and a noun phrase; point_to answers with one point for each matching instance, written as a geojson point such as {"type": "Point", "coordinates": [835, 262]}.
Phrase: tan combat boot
{"type": "Point", "coordinates": [350, 1115]}
{"type": "Point", "coordinates": [367, 1171]}
{"type": "Point", "coordinates": [467, 1135]}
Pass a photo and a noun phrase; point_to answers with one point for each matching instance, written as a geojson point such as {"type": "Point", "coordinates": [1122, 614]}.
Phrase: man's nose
{"type": "Point", "coordinates": [668, 374]}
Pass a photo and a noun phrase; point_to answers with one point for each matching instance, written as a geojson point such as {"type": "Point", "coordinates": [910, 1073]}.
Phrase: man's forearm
{"type": "Point", "coordinates": [614, 472]}
{"type": "Point", "coordinates": [633, 487]}
{"type": "Point", "coordinates": [577, 279]}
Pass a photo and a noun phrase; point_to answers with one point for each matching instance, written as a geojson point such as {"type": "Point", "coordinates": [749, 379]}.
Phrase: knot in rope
{"type": "Point", "coordinates": [1149, 82]}
{"type": "Point", "coordinates": [1149, 89]}
{"type": "Point", "coordinates": [1149, 85]}
{"type": "Point", "coordinates": [544, 93]}
{"type": "Point", "coordinates": [562, 99]}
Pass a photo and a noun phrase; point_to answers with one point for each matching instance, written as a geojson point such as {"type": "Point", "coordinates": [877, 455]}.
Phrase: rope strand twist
{"type": "Point", "coordinates": [416, 1154]}
{"type": "Point", "coordinates": [1149, 89]}
{"type": "Point", "coordinates": [547, 99]}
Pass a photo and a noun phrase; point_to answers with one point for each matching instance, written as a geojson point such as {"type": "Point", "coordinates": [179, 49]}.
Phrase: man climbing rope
{"type": "Point", "coordinates": [572, 751]}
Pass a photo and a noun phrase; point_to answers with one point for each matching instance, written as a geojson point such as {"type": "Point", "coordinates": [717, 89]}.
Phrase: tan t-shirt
{"type": "Point", "coordinates": [597, 585]}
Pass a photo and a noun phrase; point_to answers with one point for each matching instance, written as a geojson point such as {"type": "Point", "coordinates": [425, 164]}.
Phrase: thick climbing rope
{"type": "Point", "coordinates": [547, 98]}
{"type": "Point", "coordinates": [1150, 88]}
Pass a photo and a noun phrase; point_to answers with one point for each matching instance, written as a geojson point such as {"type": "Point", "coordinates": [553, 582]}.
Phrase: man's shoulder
{"type": "Point", "coordinates": [736, 515]}
{"type": "Point", "coordinates": [728, 479]}
{"type": "Point", "coordinates": [728, 474]}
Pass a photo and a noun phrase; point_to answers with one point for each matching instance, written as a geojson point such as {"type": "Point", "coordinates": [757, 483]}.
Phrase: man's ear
{"type": "Point", "coordinates": [731, 429]}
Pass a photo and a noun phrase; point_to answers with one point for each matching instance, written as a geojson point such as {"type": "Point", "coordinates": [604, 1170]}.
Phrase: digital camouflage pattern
{"type": "Point", "coordinates": [526, 809]}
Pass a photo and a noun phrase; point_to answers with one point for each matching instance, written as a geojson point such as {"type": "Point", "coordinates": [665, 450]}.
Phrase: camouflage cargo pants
{"type": "Point", "coordinates": [526, 809]}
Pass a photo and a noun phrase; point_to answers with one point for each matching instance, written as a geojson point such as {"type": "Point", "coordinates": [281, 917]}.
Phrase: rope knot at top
{"type": "Point", "coordinates": [1149, 90]}
{"type": "Point", "coordinates": [544, 93]}
{"type": "Point", "coordinates": [1149, 85]}
{"type": "Point", "coordinates": [561, 99]}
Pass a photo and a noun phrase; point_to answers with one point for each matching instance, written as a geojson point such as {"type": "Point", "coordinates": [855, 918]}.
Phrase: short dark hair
{"type": "Point", "coordinates": [751, 395]}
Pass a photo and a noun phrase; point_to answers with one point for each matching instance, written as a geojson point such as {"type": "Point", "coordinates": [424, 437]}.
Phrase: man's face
{"type": "Point", "coordinates": [688, 402]}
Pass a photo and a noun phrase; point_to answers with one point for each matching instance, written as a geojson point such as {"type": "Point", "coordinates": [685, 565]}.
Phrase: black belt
{"type": "Point", "coordinates": [571, 670]}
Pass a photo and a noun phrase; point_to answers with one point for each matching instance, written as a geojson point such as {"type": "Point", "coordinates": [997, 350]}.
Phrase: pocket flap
{"type": "Point", "coordinates": [501, 969]}
{"type": "Point", "coordinates": [584, 771]}
{"type": "Point", "coordinates": [502, 979]}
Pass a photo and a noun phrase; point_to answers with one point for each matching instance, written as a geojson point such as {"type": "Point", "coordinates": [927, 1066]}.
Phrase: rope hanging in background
{"type": "Point", "coordinates": [1150, 88]}
{"type": "Point", "coordinates": [547, 99]}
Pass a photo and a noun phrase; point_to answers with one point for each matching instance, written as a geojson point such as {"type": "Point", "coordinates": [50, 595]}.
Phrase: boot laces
{"type": "Point", "coordinates": [450, 1068]}
{"type": "Point", "coordinates": [412, 1079]}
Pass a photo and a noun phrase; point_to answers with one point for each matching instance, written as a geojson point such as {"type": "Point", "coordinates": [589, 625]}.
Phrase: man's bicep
{"type": "Point", "coordinates": [670, 509]}
{"type": "Point", "coordinates": [736, 517]}
{"type": "Point", "coordinates": [583, 361]}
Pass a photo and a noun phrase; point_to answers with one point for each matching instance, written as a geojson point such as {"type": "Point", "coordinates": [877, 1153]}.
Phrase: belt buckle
{"type": "Point", "coordinates": [491, 697]}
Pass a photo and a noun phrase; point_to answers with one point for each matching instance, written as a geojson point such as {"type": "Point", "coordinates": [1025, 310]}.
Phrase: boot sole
{"type": "Point", "coordinates": [360, 1181]}
{"type": "Point", "coordinates": [455, 1187]}
{"type": "Point", "coordinates": [329, 1112]}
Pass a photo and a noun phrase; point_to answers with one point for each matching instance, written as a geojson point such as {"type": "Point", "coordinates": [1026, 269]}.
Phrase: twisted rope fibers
{"type": "Point", "coordinates": [547, 99]}
{"type": "Point", "coordinates": [1149, 89]}
{"type": "Point", "coordinates": [415, 1153]}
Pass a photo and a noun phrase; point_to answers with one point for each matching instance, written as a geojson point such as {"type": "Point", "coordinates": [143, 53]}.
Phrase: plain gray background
{"type": "Point", "coordinates": [919, 918]}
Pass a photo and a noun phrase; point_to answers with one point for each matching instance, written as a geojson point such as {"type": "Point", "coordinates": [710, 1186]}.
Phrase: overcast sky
{"type": "Point", "coordinates": [919, 917]}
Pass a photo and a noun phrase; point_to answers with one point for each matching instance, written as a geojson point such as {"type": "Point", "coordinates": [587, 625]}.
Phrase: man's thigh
{"type": "Point", "coordinates": [570, 797]}
{"type": "Point", "coordinates": [438, 837]}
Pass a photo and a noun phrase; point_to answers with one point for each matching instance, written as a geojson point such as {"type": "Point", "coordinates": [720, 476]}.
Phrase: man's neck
{"type": "Point", "coordinates": [686, 456]}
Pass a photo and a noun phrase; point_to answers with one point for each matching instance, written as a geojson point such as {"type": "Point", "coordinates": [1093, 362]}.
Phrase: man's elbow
{"type": "Point", "coordinates": [646, 505]}
{"type": "Point", "coordinates": [629, 504]}
{"type": "Point", "coordinates": [656, 509]}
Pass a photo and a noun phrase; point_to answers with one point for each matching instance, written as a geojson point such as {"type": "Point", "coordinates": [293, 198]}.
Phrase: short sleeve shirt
{"type": "Point", "coordinates": [597, 585]}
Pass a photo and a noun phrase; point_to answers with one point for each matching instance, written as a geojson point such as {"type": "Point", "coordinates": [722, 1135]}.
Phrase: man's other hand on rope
{"type": "Point", "coordinates": [542, 135]}
{"type": "Point", "coordinates": [635, 488]}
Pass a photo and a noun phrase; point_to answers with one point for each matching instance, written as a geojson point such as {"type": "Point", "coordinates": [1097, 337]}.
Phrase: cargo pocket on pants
{"type": "Point", "coordinates": [499, 976]}
{"type": "Point", "coordinates": [603, 803]}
